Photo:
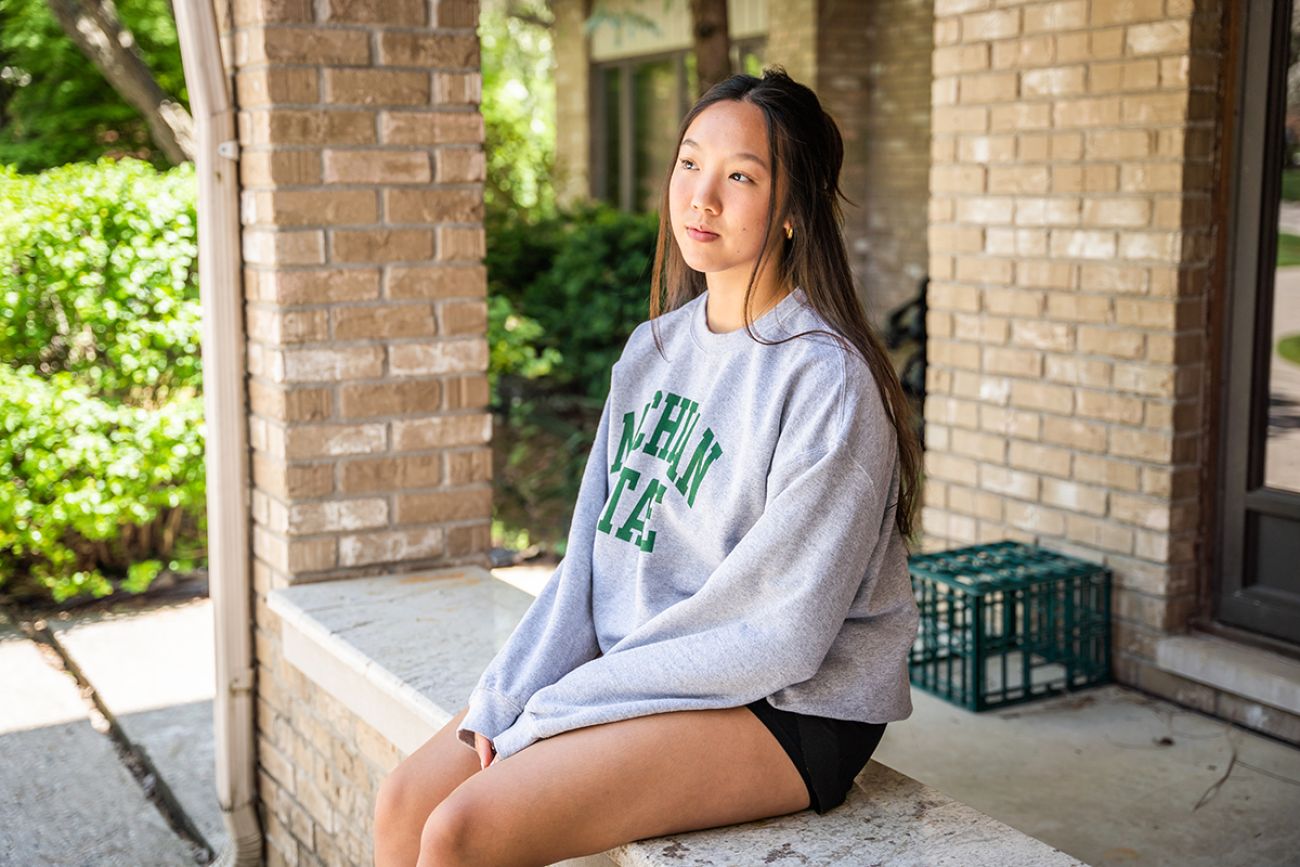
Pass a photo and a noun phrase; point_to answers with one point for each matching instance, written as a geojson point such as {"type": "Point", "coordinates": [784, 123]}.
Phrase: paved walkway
{"type": "Point", "coordinates": [1288, 217]}
{"type": "Point", "coordinates": [68, 795]}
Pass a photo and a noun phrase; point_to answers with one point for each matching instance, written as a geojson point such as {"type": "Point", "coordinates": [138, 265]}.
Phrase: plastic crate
{"type": "Point", "coordinates": [1004, 623]}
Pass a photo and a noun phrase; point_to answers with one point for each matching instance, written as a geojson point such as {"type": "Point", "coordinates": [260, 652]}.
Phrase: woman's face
{"type": "Point", "coordinates": [718, 193]}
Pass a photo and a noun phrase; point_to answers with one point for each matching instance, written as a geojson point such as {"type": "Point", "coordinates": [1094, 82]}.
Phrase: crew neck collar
{"type": "Point", "coordinates": [768, 326]}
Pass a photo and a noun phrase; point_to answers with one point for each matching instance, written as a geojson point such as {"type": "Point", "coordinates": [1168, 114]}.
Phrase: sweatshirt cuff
{"type": "Point", "coordinates": [521, 734]}
{"type": "Point", "coordinates": [490, 713]}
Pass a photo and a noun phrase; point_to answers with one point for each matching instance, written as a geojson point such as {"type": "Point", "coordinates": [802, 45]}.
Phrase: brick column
{"type": "Point", "coordinates": [874, 78]}
{"type": "Point", "coordinates": [362, 203]}
{"type": "Point", "coordinates": [792, 38]}
{"type": "Point", "coordinates": [1069, 241]}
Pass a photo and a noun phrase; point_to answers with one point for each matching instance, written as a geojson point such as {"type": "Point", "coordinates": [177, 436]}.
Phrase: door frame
{"type": "Point", "coordinates": [1262, 28]}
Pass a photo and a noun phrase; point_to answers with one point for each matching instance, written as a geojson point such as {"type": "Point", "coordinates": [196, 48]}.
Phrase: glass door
{"type": "Point", "coordinates": [1259, 554]}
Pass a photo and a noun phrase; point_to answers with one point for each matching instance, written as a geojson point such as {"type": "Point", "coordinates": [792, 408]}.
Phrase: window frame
{"type": "Point", "coordinates": [599, 186]}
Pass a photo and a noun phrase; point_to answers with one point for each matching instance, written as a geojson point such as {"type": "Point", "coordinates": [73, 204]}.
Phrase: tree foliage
{"type": "Point", "coordinates": [56, 107]}
{"type": "Point", "coordinates": [518, 61]}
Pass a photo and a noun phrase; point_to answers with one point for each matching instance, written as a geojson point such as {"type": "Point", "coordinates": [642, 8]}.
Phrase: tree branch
{"type": "Point", "coordinates": [97, 31]}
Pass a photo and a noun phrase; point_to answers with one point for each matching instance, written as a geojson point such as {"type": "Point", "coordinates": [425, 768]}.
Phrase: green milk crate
{"type": "Point", "coordinates": [1004, 623]}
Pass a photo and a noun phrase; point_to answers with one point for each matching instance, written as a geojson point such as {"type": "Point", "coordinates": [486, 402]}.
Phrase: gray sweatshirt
{"type": "Point", "coordinates": [733, 539]}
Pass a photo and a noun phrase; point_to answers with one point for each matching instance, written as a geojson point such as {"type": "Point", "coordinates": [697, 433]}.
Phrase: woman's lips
{"type": "Point", "coordinates": [697, 235]}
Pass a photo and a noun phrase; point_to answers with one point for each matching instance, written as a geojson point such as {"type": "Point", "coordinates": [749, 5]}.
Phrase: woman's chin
{"type": "Point", "coordinates": [704, 264]}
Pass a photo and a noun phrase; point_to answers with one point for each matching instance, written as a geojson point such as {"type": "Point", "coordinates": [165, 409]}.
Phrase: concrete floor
{"type": "Point", "coordinates": [1090, 774]}
{"type": "Point", "coordinates": [1112, 776]}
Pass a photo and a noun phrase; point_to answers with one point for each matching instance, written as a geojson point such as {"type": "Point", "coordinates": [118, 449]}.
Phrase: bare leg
{"type": "Point", "coordinates": [590, 789]}
{"type": "Point", "coordinates": [411, 791]}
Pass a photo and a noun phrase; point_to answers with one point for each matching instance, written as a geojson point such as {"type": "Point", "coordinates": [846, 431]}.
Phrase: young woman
{"type": "Point", "coordinates": [727, 634]}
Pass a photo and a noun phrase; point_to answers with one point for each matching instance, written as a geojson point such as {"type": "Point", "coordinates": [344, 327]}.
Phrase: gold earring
{"type": "Point", "coordinates": [789, 231]}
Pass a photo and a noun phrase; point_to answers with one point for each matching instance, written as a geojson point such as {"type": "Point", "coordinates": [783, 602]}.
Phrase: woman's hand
{"type": "Point", "coordinates": [486, 752]}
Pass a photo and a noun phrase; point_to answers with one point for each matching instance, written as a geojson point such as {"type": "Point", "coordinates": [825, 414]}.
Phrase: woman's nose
{"type": "Point", "coordinates": [704, 198]}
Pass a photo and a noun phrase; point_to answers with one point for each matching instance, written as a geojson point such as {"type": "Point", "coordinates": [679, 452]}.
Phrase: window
{"type": "Point", "coordinates": [637, 107]}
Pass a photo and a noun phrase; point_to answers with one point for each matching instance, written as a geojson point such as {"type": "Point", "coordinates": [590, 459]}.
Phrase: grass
{"type": "Point", "coordinates": [1291, 185]}
{"type": "Point", "coordinates": [1288, 250]}
{"type": "Point", "coordinates": [1289, 348]}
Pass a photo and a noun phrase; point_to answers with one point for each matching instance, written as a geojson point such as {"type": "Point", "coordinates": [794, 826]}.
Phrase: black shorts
{"type": "Point", "coordinates": [828, 753]}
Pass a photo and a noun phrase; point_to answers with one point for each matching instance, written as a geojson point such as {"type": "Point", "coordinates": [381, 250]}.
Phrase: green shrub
{"type": "Point", "coordinates": [98, 277]}
{"type": "Point", "coordinates": [101, 423]}
{"type": "Point", "coordinates": [595, 292]}
{"type": "Point", "coordinates": [90, 490]}
{"type": "Point", "coordinates": [511, 346]}
{"type": "Point", "coordinates": [574, 285]}
{"type": "Point", "coordinates": [584, 277]}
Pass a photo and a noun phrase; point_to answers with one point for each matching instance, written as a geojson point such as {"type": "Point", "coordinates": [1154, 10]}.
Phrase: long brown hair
{"type": "Point", "coordinates": [807, 152]}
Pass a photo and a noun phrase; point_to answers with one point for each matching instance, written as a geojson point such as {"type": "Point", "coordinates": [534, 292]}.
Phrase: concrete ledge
{"type": "Point", "coordinates": [1245, 671]}
{"type": "Point", "coordinates": [403, 652]}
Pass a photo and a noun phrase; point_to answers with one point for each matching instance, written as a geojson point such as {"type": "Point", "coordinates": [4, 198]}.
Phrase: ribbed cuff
{"type": "Point", "coordinates": [490, 714]}
{"type": "Point", "coordinates": [512, 740]}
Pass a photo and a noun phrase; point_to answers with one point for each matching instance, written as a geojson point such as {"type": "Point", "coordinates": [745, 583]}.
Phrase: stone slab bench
{"type": "Point", "coordinates": [403, 652]}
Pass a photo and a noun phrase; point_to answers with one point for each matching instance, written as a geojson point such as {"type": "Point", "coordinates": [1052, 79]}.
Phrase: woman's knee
{"type": "Point", "coordinates": [404, 796]}
{"type": "Point", "coordinates": [414, 787]}
{"type": "Point", "coordinates": [453, 835]}
{"type": "Point", "coordinates": [393, 799]}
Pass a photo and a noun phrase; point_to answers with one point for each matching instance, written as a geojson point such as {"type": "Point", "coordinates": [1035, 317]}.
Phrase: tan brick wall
{"type": "Point", "coordinates": [1074, 147]}
{"type": "Point", "coordinates": [361, 179]}
{"type": "Point", "coordinates": [792, 38]}
{"type": "Point", "coordinates": [873, 76]}
{"type": "Point", "coordinates": [318, 765]}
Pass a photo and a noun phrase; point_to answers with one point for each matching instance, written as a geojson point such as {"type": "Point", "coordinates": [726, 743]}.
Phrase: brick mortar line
{"type": "Point", "coordinates": [376, 186]}
{"type": "Point", "coordinates": [373, 303]}
{"type": "Point", "coordinates": [357, 27]}
{"type": "Point", "coordinates": [367, 342]}
{"type": "Point", "coordinates": [448, 109]}
{"type": "Point", "coordinates": [433, 452]}
{"type": "Point", "coordinates": [325, 535]}
{"type": "Point", "coordinates": [321, 65]}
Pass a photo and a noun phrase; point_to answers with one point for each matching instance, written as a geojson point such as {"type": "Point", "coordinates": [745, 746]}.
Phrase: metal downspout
{"type": "Point", "coordinates": [221, 296]}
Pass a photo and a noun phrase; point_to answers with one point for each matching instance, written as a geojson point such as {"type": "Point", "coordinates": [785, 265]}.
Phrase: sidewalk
{"type": "Point", "coordinates": [68, 795]}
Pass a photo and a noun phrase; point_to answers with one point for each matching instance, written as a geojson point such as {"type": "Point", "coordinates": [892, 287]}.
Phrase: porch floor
{"type": "Point", "coordinates": [1091, 774]}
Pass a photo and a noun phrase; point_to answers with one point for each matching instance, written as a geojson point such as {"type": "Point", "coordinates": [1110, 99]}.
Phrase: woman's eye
{"type": "Point", "coordinates": [687, 163]}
